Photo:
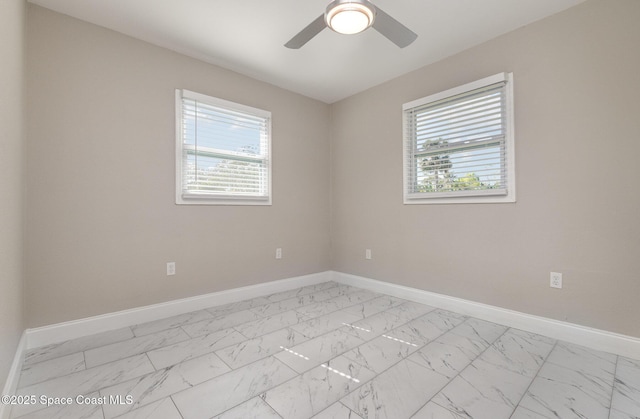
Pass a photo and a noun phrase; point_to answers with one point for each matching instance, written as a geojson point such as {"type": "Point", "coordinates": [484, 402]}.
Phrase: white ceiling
{"type": "Point", "coordinates": [248, 36]}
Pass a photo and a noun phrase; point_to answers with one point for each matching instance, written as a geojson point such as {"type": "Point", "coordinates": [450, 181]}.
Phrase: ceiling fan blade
{"type": "Point", "coordinates": [307, 33]}
{"type": "Point", "coordinates": [395, 31]}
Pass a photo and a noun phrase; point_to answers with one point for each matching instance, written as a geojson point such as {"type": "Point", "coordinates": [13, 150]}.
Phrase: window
{"type": "Point", "coordinates": [458, 144]}
{"type": "Point", "coordinates": [222, 152]}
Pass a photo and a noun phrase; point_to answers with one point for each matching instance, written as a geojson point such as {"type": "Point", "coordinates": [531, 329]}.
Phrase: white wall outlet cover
{"type": "Point", "coordinates": [555, 280]}
{"type": "Point", "coordinates": [171, 268]}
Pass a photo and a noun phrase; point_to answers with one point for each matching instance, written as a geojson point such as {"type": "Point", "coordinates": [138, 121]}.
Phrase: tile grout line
{"type": "Point", "coordinates": [146, 354]}
{"type": "Point", "coordinates": [247, 338]}
{"type": "Point", "coordinates": [272, 302]}
{"type": "Point", "coordinates": [555, 344]}
{"type": "Point", "coordinates": [292, 298]}
{"type": "Point", "coordinates": [407, 357]}
{"type": "Point", "coordinates": [84, 364]}
{"type": "Point", "coordinates": [560, 341]}
{"type": "Point", "coordinates": [73, 372]}
{"type": "Point", "coordinates": [144, 351]}
{"type": "Point", "coordinates": [447, 332]}
{"type": "Point", "coordinates": [300, 295]}
{"type": "Point", "coordinates": [220, 358]}
{"type": "Point", "coordinates": [341, 354]}
{"type": "Point", "coordinates": [367, 341]}
{"type": "Point", "coordinates": [268, 404]}
{"type": "Point", "coordinates": [347, 407]}
{"type": "Point", "coordinates": [27, 364]}
{"type": "Point", "coordinates": [262, 317]}
{"type": "Point", "coordinates": [176, 406]}
{"type": "Point", "coordinates": [461, 371]}
{"type": "Point", "coordinates": [190, 337]}
{"type": "Point", "coordinates": [312, 318]}
{"type": "Point", "coordinates": [97, 390]}
{"type": "Point", "coordinates": [179, 325]}
{"type": "Point", "coordinates": [219, 318]}
{"type": "Point", "coordinates": [306, 336]}
{"type": "Point", "coordinates": [326, 408]}
{"type": "Point", "coordinates": [613, 388]}
{"type": "Point", "coordinates": [187, 333]}
{"type": "Point", "coordinates": [403, 359]}
{"type": "Point", "coordinates": [298, 374]}
{"type": "Point", "coordinates": [166, 369]}
{"type": "Point", "coordinates": [233, 370]}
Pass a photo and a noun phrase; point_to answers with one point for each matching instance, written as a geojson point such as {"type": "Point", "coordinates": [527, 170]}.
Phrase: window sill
{"type": "Point", "coordinates": [221, 200]}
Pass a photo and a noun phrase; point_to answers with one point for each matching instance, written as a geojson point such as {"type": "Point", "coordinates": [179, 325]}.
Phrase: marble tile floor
{"type": "Point", "coordinates": [326, 351]}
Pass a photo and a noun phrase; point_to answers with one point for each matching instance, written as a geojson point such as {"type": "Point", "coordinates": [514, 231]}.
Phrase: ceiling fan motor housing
{"type": "Point", "coordinates": [349, 16]}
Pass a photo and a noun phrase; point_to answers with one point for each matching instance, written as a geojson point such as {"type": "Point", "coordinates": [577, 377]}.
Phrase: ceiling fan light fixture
{"type": "Point", "coordinates": [349, 17]}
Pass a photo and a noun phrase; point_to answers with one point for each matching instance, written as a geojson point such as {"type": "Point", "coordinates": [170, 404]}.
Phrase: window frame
{"type": "Point", "coordinates": [217, 198]}
{"type": "Point", "coordinates": [462, 197]}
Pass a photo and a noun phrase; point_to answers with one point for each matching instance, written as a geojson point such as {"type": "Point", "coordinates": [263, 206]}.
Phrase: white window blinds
{"type": "Point", "coordinates": [223, 150]}
{"type": "Point", "coordinates": [457, 143]}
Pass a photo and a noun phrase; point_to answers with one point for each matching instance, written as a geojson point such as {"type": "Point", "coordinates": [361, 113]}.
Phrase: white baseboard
{"type": "Point", "coordinates": [11, 384]}
{"type": "Point", "coordinates": [581, 335]}
{"type": "Point", "coordinates": [60, 332]}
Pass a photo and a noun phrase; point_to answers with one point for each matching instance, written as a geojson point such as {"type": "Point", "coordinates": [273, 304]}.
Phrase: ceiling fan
{"type": "Point", "coordinates": [351, 17]}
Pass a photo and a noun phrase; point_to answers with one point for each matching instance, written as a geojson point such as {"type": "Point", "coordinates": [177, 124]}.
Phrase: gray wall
{"type": "Point", "coordinates": [577, 104]}
{"type": "Point", "coordinates": [101, 217]}
{"type": "Point", "coordinates": [11, 178]}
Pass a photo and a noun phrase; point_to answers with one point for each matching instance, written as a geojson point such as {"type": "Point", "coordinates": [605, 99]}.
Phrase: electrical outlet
{"type": "Point", "coordinates": [555, 280]}
{"type": "Point", "coordinates": [278, 253]}
{"type": "Point", "coordinates": [367, 254]}
{"type": "Point", "coordinates": [171, 268]}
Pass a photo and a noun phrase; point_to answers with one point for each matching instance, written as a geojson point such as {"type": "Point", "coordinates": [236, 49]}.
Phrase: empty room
{"type": "Point", "coordinates": [320, 209]}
